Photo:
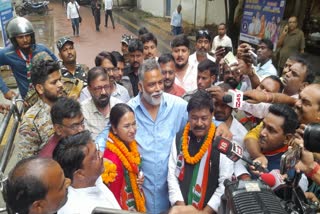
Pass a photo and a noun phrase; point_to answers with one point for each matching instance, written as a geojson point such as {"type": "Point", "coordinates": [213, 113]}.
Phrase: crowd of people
{"type": "Point", "coordinates": [136, 131]}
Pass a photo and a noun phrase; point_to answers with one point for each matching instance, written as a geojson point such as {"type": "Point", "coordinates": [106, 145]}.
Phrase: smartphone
{"type": "Point", "coordinates": [289, 159]}
{"type": "Point", "coordinates": [230, 59]}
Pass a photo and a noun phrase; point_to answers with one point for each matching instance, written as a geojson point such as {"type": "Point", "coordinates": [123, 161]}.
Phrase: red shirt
{"type": "Point", "coordinates": [176, 90]}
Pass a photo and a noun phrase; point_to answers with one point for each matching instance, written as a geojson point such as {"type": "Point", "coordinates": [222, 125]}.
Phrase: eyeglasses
{"type": "Point", "coordinates": [75, 126]}
{"type": "Point", "coordinates": [98, 154]}
{"type": "Point", "coordinates": [99, 88]}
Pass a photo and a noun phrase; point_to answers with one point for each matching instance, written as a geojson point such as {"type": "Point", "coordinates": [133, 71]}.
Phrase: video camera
{"type": "Point", "coordinates": [256, 196]}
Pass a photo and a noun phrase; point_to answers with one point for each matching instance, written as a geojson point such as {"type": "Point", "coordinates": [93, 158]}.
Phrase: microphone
{"type": "Point", "coordinates": [234, 98]}
{"type": "Point", "coordinates": [273, 179]}
{"type": "Point", "coordinates": [235, 152]}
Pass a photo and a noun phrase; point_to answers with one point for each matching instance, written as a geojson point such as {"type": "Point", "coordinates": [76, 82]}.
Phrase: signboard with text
{"type": "Point", "coordinates": [6, 13]}
{"type": "Point", "coordinates": [261, 19]}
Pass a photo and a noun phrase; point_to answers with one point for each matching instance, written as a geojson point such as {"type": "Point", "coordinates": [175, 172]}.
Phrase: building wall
{"type": "Point", "coordinates": [155, 7]}
{"type": "Point", "coordinates": [216, 12]}
{"type": "Point", "coordinates": [206, 11]}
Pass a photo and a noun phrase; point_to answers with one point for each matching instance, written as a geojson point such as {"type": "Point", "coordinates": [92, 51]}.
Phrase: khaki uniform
{"type": "Point", "coordinates": [292, 44]}
{"type": "Point", "coordinates": [35, 130]}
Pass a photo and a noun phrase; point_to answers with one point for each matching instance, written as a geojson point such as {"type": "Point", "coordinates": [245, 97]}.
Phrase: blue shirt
{"type": "Point", "coordinates": [9, 56]}
{"type": "Point", "coordinates": [155, 139]}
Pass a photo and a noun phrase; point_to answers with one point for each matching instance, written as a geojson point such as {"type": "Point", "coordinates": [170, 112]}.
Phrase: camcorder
{"type": "Point", "coordinates": [255, 196]}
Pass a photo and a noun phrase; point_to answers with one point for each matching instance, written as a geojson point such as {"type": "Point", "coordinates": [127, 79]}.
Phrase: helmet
{"type": "Point", "coordinates": [19, 26]}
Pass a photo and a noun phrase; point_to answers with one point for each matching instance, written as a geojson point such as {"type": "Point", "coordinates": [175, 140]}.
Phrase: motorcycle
{"type": "Point", "coordinates": [28, 7]}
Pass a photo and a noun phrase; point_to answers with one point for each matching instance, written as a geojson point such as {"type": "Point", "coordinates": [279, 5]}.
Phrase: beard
{"type": "Point", "coordinates": [52, 97]}
{"type": "Point", "coordinates": [149, 98]}
{"type": "Point", "coordinates": [202, 51]}
{"type": "Point", "coordinates": [180, 66]}
{"type": "Point", "coordinates": [101, 101]}
{"type": "Point", "coordinates": [168, 83]}
{"type": "Point", "coordinates": [232, 82]}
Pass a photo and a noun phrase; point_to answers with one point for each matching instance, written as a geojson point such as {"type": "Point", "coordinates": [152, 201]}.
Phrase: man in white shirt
{"type": "Point", "coordinates": [223, 113]}
{"type": "Point", "coordinates": [202, 46]}
{"type": "Point", "coordinates": [108, 8]}
{"type": "Point", "coordinates": [73, 14]}
{"type": "Point", "coordinates": [265, 67]}
{"type": "Point", "coordinates": [196, 171]}
{"type": "Point", "coordinates": [82, 162]}
{"type": "Point", "coordinates": [221, 40]}
{"type": "Point", "coordinates": [186, 73]}
{"type": "Point", "coordinates": [176, 21]}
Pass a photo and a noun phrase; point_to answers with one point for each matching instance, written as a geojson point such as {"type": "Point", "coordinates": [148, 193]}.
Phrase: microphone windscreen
{"type": "Point", "coordinates": [268, 179]}
{"type": "Point", "coordinates": [227, 98]}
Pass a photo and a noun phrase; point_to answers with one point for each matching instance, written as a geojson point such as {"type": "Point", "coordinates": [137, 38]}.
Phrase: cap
{"type": "Point", "coordinates": [126, 38]}
{"type": "Point", "coordinates": [62, 41]}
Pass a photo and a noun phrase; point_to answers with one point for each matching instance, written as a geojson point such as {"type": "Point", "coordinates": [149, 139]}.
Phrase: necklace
{"type": "Point", "coordinates": [185, 145]}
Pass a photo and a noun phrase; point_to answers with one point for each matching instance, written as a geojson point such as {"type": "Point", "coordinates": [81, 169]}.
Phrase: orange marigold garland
{"type": "Point", "coordinates": [197, 157]}
{"type": "Point", "coordinates": [110, 172]}
{"type": "Point", "coordinates": [130, 160]}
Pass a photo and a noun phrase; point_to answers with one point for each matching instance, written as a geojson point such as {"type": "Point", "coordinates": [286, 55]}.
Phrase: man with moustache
{"type": "Point", "coordinates": [221, 40]}
{"type": "Point", "coordinates": [82, 162]}
{"type": "Point", "coordinates": [203, 40]}
{"type": "Point", "coordinates": [277, 130]}
{"type": "Point", "coordinates": [207, 75]}
{"type": "Point", "coordinates": [150, 44]}
{"type": "Point", "coordinates": [196, 170]}
{"type": "Point", "coordinates": [70, 69]}
{"type": "Point", "coordinates": [235, 78]}
{"type": "Point", "coordinates": [35, 186]}
{"type": "Point", "coordinates": [96, 109]}
{"type": "Point", "coordinates": [167, 66]}
{"type": "Point", "coordinates": [20, 54]}
{"type": "Point", "coordinates": [135, 49]}
{"type": "Point", "coordinates": [107, 61]}
{"type": "Point", "coordinates": [67, 120]}
{"type": "Point", "coordinates": [186, 74]}
{"type": "Point", "coordinates": [36, 127]}
{"type": "Point", "coordinates": [264, 56]}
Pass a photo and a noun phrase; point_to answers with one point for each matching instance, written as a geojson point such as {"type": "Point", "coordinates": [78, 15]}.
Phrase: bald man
{"type": "Point", "coordinates": [36, 185]}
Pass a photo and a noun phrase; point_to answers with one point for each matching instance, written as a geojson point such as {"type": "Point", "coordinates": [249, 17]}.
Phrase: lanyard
{"type": "Point", "coordinates": [28, 64]}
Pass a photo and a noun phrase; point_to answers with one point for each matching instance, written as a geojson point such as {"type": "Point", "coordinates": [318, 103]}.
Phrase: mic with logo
{"type": "Point", "coordinates": [273, 179]}
{"type": "Point", "coordinates": [234, 98]}
{"type": "Point", "coordinates": [235, 152]}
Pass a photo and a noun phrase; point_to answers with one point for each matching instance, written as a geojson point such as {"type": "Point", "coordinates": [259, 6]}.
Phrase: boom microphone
{"type": "Point", "coordinates": [235, 152]}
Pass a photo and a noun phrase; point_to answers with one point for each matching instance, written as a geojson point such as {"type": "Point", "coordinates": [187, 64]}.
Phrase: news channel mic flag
{"type": "Point", "coordinates": [6, 14]}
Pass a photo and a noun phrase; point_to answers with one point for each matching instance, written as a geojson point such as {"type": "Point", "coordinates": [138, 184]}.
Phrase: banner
{"type": "Point", "coordinates": [261, 19]}
{"type": "Point", "coordinates": [6, 13]}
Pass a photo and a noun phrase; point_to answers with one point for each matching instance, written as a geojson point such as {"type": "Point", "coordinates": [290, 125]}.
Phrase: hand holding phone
{"type": "Point", "coordinates": [285, 29]}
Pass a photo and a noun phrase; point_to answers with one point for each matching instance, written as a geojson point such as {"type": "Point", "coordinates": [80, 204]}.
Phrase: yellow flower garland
{"type": "Point", "coordinates": [130, 161]}
{"type": "Point", "coordinates": [197, 157]}
{"type": "Point", "coordinates": [110, 172]}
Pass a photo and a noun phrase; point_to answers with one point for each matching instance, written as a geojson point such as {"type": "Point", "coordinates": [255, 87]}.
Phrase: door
{"type": "Point", "coordinates": [168, 8]}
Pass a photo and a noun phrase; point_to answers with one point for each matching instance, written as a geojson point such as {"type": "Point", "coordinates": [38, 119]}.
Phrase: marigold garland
{"type": "Point", "coordinates": [197, 157]}
{"type": "Point", "coordinates": [130, 160]}
{"type": "Point", "coordinates": [110, 172]}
